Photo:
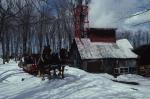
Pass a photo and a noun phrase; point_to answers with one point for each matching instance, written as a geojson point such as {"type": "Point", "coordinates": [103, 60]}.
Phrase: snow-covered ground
{"type": "Point", "coordinates": [77, 84]}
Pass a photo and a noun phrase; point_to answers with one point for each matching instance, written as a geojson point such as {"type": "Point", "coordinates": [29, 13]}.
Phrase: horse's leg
{"type": "Point", "coordinates": [59, 69]}
{"type": "Point", "coordinates": [62, 71]}
{"type": "Point", "coordinates": [42, 73]}
{"type": "Point", "coordinates": [39, 73]}
{"type": "Point", "coordinates": [54, 69]}
{"type": "Point", "coordinates": [49, 73]}
{"type": "Point", "coordinates": [42, 76]}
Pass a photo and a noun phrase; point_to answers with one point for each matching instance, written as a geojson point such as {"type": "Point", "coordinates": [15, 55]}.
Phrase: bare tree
{"type": "Point", "coordinates": [27, 25]}
{"type": "Point", "coordinates": [6, 13]}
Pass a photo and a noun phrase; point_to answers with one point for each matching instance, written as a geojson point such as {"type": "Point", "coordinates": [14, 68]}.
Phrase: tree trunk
{"type": "Point", "coordinates": [3, 49]}
{"type": "Point", "coordinates": [7, 47]}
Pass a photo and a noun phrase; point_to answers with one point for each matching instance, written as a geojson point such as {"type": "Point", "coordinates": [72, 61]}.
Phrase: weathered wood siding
{"type": "Point", "coordinates": [108, 65]}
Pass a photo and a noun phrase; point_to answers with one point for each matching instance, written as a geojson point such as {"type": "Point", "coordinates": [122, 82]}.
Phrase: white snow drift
{"type": "Point", "coordinates": [77, 84]}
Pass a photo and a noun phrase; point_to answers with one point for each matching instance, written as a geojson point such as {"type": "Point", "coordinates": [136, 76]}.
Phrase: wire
{"type": "Point", "coordinates": [141, 23]}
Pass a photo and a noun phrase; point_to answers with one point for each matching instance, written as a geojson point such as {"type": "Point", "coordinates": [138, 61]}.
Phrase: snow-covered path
{"type": "Point", "coordinates": [77, 84]}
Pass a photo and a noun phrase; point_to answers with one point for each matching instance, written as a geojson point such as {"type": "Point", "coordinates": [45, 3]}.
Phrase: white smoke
{"type": "Point", "coordinates": [110, 13]}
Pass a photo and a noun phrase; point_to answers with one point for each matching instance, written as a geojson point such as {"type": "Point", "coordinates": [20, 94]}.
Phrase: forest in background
{"type": "Point", "coordinates": [137, 37]}
{"type": "Point", "coordinates": [26, 26]}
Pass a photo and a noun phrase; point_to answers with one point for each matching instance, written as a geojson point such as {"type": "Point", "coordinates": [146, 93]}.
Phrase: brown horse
{"type": "Point", "coordinates": [55, 62]}
{"type": "Point", "coordinates": [64, 57]}
{"type": "Point", "coordinates": [47, 63]}
{"type": "Point", "coordinates": [44, 62]}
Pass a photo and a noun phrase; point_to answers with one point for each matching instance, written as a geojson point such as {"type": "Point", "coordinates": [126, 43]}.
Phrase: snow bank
{"type": "Point", "coordinates": [1, 61]}
{"type": "Point", "coordinates": [77, 84]}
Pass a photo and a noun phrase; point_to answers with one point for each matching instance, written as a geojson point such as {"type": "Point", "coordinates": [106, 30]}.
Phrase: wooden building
{"type": "Point", "coordinates": [143, 62]}
{"type": "Point", "coordinates": [97, 54]}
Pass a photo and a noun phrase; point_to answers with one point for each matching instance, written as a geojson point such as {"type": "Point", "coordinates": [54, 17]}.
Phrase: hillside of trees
{"type": "Point", "coordinates": [26, 26]}
{"type": "Point", "coordinates": [137, 37]}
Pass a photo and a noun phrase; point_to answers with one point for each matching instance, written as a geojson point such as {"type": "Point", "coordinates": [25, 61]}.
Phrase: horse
{"type": "Point", "coordinates": [44, 66]}
{"type": "Point", "coordinates": [64, 57]}
{"type": "Point", "coordinates": [48, 64]}
{"type": "Point", "coordinates": [54, 62]}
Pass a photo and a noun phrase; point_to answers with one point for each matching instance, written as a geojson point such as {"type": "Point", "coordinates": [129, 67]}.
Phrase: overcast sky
{"type": "Point", "coordinates": [113, 13]}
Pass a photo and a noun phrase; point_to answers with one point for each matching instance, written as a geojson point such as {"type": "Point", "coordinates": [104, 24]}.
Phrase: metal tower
{"type": "Point", "coordinates": [81, 20]}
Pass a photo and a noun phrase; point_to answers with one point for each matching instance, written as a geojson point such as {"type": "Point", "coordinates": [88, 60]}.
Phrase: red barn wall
{"type": "Point", "coordinates": [102, 35]}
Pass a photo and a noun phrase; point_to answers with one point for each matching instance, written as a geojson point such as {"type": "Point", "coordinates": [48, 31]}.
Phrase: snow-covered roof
{"type": "Point", "coordinates": [99, 50]}
{"type": "Point", "coordinates": [124, 43]}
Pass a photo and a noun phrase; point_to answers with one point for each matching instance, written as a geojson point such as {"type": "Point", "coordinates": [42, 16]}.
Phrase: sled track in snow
{"type": "Point", "coordinates": [9, 71]}
{"type": "Point", "coordinates": [8, 75]}
{"type": "Point", "coordinates": [51, 88]}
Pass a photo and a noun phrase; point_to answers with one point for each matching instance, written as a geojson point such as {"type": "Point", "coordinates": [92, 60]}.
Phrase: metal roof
{"type": "Point", "coordinates": [124, 43]}
{"type": "Point", "coordinates": [100, 50]}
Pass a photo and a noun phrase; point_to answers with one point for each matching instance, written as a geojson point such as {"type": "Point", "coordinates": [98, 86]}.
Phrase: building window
{"type": "Point", "coordinates": [121, 70]}
{"type": "Point", "coordinates": [132, 70]}
{"type": "Point", "coordinates": [124, 70]}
